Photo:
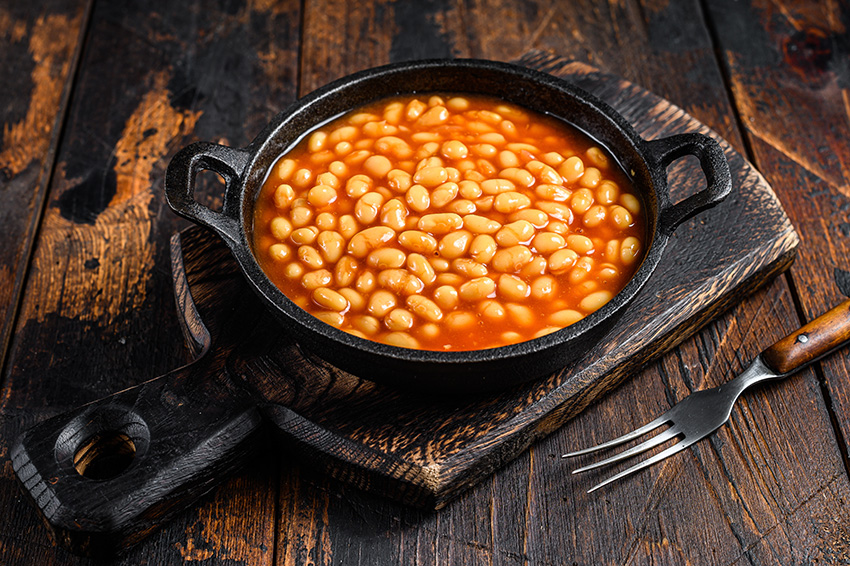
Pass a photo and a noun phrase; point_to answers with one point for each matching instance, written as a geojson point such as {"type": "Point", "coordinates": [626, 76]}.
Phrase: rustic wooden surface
{"type": "Point", "coordinates": [98, 95]}
{"type": "Point", "coordinates": [423, 450]}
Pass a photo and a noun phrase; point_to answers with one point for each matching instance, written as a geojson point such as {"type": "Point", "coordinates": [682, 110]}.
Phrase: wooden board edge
{"type": "Point", "coordinates": [354, 464]}
{"type": "Point", "coordinates": [195, 332]}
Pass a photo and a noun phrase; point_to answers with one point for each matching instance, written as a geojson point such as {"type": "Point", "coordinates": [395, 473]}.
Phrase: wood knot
{"type": "Point", "coordinates": [808, 52]}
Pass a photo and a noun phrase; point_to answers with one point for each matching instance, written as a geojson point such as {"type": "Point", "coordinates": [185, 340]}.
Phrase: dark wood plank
{"type": "Point", "coordinates": [790, 82]}
{"type": "Point", "coordinates": [41, 45]}
{"type": "Point", "coordinates": [664, 47]}
{"type": "Point", "coordinates": [98, 310]}
{"type": "Point", "coordinates": [639, 41]}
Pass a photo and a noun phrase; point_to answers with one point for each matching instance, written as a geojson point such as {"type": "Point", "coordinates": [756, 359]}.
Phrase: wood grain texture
{"type": "Point", "coordinates": [829, 331]}
{"type": "Point", "coordinates": [790, 82]}
{"type": "Point", "coordinates": [639, 41]}
{"type": "Point", "coordinates": [42, 43]}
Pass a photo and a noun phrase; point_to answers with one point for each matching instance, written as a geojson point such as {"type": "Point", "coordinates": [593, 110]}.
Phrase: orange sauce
{"type": "Point", "coordinates": [448, 222]}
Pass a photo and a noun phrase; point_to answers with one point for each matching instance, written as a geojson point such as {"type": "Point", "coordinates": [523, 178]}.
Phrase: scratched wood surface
{"type": "Point", "coordinates": [86, 292]}
{"type": "Point", "coordinates": [40, 52]}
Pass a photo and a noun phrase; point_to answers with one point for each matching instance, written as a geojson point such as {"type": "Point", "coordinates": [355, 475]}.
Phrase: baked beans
{"type": "Point", "coordinates": [448, 222]}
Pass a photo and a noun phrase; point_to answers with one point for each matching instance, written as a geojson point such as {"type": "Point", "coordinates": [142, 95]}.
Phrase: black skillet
{"type": "Point", "coordinates": [645, 161]}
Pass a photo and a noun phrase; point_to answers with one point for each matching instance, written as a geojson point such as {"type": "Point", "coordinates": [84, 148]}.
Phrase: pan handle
{"type": "Point", "coordinates": [107, 474]}
{"type": "Point", "coordinates": [228, 162]}
{"type": "Point", "coordinates": [714, 165]}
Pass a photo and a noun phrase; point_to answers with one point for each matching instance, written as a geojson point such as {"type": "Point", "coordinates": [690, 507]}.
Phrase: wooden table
{"type": "Point", "coordinates": [97, 96]}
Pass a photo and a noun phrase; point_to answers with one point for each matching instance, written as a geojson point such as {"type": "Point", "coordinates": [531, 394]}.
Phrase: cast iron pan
{"type": "Point", "coordinates": [645, 161]}
{"type": "Point", "coordinates": [190, 428]}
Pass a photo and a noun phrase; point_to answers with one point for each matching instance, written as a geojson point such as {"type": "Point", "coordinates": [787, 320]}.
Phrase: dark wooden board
{"type": "Point", "coordinates": [425, 451]}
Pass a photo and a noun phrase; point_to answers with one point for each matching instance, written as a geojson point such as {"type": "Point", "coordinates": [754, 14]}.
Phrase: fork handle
{"type": "Point", "coordinates": [816, 339]}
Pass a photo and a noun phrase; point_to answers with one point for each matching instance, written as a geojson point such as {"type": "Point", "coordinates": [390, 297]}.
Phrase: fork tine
{"type": "Point", "coordinates": [621, 439]}
{"type": "Point", "coordinates": [659, 438]}
{"type": "Point", "coordinates": [678, 447]}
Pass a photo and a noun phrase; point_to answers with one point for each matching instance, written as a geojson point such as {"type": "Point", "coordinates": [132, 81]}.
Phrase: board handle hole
{"type": "Point", "coordinates": [101, 443]}
{"type": "Point", "coordinates": [105, 455]}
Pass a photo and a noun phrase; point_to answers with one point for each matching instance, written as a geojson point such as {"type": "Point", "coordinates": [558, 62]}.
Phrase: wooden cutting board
{"type": "Point", "coordinates": [416, 448]}
{"type": "Point", "coordinates": [426, 450]}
